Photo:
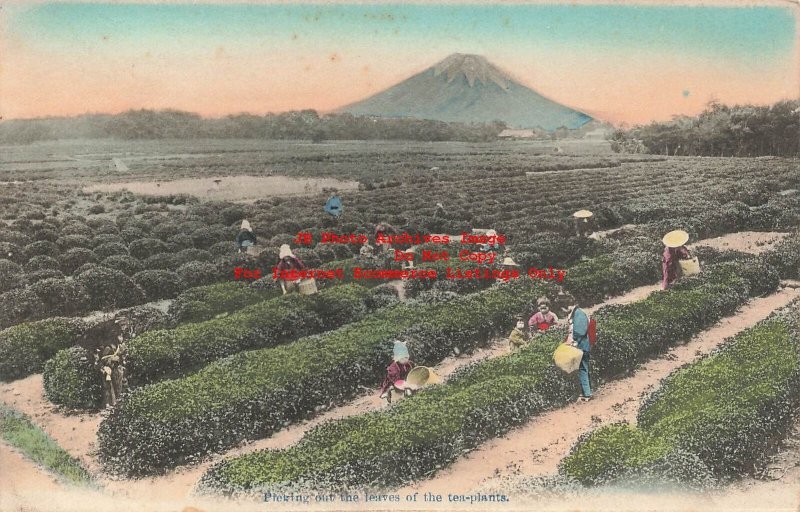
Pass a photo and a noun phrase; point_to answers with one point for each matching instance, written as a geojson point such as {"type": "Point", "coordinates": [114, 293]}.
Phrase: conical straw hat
{"type": "Point", "coordinates": [675, 238]}
{"type": "Point", "coordinates": [582, 214]}
{"type": "Point", "coordinates": [421, 376]}
{"type": "Point", "coordinates": [509, 262]}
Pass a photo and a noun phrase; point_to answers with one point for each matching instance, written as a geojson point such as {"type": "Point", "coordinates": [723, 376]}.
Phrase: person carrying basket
{"type": "Point", "coordinates": [289, 262]}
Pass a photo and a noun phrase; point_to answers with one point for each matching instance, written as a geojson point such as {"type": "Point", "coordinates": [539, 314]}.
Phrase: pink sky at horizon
{"type": "Point", "coordinates": [216, 80]}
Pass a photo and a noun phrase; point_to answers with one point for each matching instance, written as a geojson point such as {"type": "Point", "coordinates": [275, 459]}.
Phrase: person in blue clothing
{"type": "Point", "coordinates": [333, 206]}
{"type": "Point", "coordinates": [578, 336]}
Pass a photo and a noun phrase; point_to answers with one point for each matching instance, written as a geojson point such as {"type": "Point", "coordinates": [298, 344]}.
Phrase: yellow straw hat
{"type": "Point", "coordinates": [675, 238]}
{"type": "Point", "coordinates": [421, 376]}
{"type": "Point", "coordinates": [582, 214]}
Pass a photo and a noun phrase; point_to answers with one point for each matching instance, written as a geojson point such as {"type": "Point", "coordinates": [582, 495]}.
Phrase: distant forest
{"type": "Point", "coordinates": [720, 131]}
{"type": "Point", "coordinates": [302, 125]}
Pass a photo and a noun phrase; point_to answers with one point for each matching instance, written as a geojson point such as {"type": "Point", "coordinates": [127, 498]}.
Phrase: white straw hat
{"type": "Point", "coordinates": [582, 214]}
{"type": "Point", "coordinates": [675, 238]}
{"type": "Point", "coordinates": [510, 262]}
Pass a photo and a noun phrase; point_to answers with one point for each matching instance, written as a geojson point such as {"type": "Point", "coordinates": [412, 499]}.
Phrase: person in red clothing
{"type": "Point", "coordinates": [674, 250]}
{"type": "Point", "coordinates": [288, 262]}
{"type": "Point", "coordinates": [542, 319]}
{"type": "Point", "coordinates": [397, 372]}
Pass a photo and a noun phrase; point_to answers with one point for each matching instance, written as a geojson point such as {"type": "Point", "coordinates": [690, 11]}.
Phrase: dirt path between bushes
{"type": "Point", "coordinates": [537, 447]}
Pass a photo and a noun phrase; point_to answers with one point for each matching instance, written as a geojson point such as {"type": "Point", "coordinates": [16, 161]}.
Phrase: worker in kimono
{"type": "Point", "coordinates": [287, 261]}
{"type": "Point", "coordinates": [584, 222]}
{"type": "Point", "coordinates": [246, 238]}
{"type": "Point", "coordinates": [397, 372]}
{"type": "Point", "coordinates": [491, 244]}
{"type": "Point", "coordinates": [519, 336]}
{"type": "Point", "coordinates": [674, 250]}
{"type": "Point", "coordinates": [367, 252]}
{"type": "Point", "coordinates": [109, 361]}
{"type": "Point", "coordinates": [440, 212]}
{"type": "Point", "coordinates": [578, 336]}
{"type": "Point", "coordinates": [543, 318]}
{"type": "Point", "coordinates": [333, 206]}
{"type": "Point", "coordinates": [381, 230]}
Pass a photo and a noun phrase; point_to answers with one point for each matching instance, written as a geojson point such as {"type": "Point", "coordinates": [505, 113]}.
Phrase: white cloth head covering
{"type": "Point", "coordinates": [491, 232]}
{"type": "Point", "coordinates": [400, 352]}
{"type": "Point", "coordinates": [285, 251]}
{"type": "Point", "coordinates": [246, 225]}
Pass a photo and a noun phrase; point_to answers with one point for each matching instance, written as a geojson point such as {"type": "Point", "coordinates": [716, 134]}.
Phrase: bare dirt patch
{"type": "Point", "coordinates": [75, 433]}
{"type": "Point", "coordinates": [229, 188]}
{"type": "Point", "coordinates": [754, 242]}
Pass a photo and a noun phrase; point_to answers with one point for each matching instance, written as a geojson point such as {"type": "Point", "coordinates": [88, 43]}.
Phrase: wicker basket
{"type": "Point", "coordinates": [690, 267]}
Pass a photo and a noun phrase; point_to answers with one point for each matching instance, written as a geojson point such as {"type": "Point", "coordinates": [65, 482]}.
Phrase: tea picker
{"type": "Point", "coordinates": [334, 206]}
{"type": "Point", "coordinates": [543, 319]}
{"type": "Point", "coordinates": [584, 222]}
{"type": "Point", "coordinates": [246, 238]}
{"type": "Point", "coordinates": [384, 229]}
{"type": "Point", "coordinates": [397, 372]}
{"type": "Point", "coordinates": [574, 352]}
{"type": "Point", "coordinates": [402, 377]}
{"type": "Point", "coordinates": [109, 360]}
{"type": "Point", "coordinates": [519, 336]}
{"type": "Point", "coordinates": [676, 260]}
{"type": "Point", "coordinates": [288, 262]}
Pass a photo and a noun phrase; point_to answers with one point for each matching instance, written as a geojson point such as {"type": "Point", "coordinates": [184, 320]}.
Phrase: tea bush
{"type": "Point", "coordinates": [41, 263]}
{"type": "Point", "coordinates": [20, 305]}
{"type": "Point", "coordinates": [24, 348]}
{"type": "Point", "coordinates": [41, 275]}
{"type": "Point", "coordinates": [11, 275]}
{"type": "Point", "coordinates": [786, 256]}
{"type": "Point", "coordinates": [71, 379]}
{"type": "Point", "coordinates": [110, 249]}
{"type": "Point", "coordinates": [110, 289]}
{"type": "Point", "coordinates": [205, 302]}
{"type": "Point", "coordinates": [75, 258]}
{"type": "Point", "coordinates": [42, 248]}
{"type": "Point", "coordinates": [128, 265]}
{"type": "Point", "coordinates": [146, 247]}
{"type": "Point", "coordinates": [197, 273]}
{"type": "Point", "coordinates": [159, 284]}
{"type": "Point", "coordinates": [62, 297]}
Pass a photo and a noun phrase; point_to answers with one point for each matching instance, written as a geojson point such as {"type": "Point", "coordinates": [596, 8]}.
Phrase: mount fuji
{"type": "Point", "coordinates": [468, 88]}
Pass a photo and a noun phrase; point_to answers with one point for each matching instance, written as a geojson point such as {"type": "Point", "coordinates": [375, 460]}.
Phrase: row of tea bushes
{"type": "Point", "coordinates": [785, 256]}
{"type": "Point", "coordinates": [206, 302]}
{"type": "Point", "coordinates": [252, 394]}
{"type": "Point", "coordinates": [419, 435]}
{"type": "Point", "coordinates": [24, 348]}
{"type": "Point", "coordinates": [714, 419]}
{"type": "Point", "coordinates": [159, 354]}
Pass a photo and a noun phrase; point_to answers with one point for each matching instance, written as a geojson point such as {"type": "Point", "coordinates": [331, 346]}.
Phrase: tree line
{"type": "Point", "coordinates": [298, 125]}
{"type": "Point", "coordinates": [720, 130]}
